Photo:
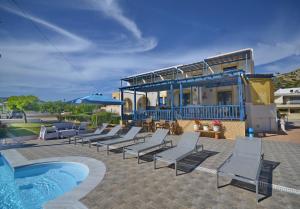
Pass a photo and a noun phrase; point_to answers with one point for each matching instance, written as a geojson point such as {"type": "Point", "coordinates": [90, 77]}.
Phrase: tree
{"type": "Point", "coordinates": [23, 103]}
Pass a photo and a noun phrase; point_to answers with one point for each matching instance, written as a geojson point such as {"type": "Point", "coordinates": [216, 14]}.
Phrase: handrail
{"type": "Point", "coordinates": [198, 112]}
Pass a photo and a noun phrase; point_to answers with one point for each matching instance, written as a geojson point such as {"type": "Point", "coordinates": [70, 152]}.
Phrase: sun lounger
{"type": "Point", "coordinates": [98, 131]}
{"type": "Point", "coordinates": [112, 133]}
{"type": "Point", "coordinates": [129, 136]}
{"type": "Point", "coordinates": [186, 145]}
{"type": "Point", "coordinates": [244, 164]}
{"type": "Point", "coordinates": [156, 140]}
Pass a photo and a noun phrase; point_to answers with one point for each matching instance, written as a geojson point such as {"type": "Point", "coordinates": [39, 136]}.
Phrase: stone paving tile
{"type": "Point", "coordinates": [127, 185]}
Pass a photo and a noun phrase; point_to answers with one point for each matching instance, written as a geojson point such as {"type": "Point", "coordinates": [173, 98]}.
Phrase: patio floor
{"type": "Point", "coordinates": [129, 185]}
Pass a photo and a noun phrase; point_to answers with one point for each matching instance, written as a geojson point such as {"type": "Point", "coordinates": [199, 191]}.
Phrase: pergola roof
{"type": "Point", "coordinates": [230, 57]}
{"type": "Point", "coordinates": [212, 80]}
{"type": "Point", "coordinates": [188, 70]}
{"type": "Point", "coordinates": [194, 69]}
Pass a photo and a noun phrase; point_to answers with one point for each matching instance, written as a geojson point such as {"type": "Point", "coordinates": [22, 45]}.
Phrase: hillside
{"type": "Point", "coordinates": [287, 80]}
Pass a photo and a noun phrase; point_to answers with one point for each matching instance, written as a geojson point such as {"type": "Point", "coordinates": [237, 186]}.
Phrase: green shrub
{"type": "Point", "coordinates": [105, 117]}
{"type": "Point", "coordinates": [78, 117]}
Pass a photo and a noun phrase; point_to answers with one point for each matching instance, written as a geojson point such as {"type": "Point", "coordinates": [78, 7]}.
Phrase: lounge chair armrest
{"type": "Point", "coordinates": [168, 141]}
{"type": "Point", "coordinates": [226, 161]}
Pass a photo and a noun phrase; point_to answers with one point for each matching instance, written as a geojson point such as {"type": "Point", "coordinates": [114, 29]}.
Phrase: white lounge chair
{"type": "Point", "coordinates": [129, 136]}
{"type": "Point", "coordinates": [156, 140]}
{"type": "Point", "coordinates": [98, 131]}
{"type": "Point", "coordinates": [186, 146]}
{"type": "Point", "coordinates": [245, 163]}
{"type": "Point", "coordinates": [111, 134]}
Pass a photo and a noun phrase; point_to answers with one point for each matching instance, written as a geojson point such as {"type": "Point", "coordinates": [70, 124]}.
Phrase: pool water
{"type": "Point", "coordinates": [29, 187]}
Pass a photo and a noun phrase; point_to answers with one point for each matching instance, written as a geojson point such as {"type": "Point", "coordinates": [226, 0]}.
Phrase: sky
{"type": "Point", "coordinates": [64, 49]}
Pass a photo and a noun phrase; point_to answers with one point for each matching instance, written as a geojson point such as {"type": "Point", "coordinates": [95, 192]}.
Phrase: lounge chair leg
{"type": "Point", "coordinates": [175, 168]}
{"type": "Point", "coordinates": [90, 144]}
{"type": "Point", "coordinates": [75, 141]}
{"type": "Point", "coordinates": [154, 160]}
{"type": "Point", "coordinates": [107, 150]}
{"type": "Point", "coordinates": [123, 153]}
{"type": "Point", "coordinates": [97, 148]}
{"type": "Point", "coordinates": [69, 140]}
{"type": "Point", "coordinates": [217, 180]}
{"type": "Point", "coordinates": [138, 156]}
{"type": "Point", "coordinates": [256, 191]}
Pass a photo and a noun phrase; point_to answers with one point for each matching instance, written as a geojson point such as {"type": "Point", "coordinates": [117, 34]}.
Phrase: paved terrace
{"type": "Point", "coordinates": [129, 185]}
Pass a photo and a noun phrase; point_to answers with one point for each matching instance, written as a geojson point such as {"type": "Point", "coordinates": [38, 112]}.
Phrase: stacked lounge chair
{"type": "Point", "coordinates": [98, 131]}
{"type": "Point", "coordinates": [244, 164]}
{"type": "Point", "coordinates": [186, 146]}
{"type": "Point", "coordinates": [129, 136]}
{"type": "Point", "coordinates": [111, 134]}
{"type": "Point", "coordinates": [157, 140]}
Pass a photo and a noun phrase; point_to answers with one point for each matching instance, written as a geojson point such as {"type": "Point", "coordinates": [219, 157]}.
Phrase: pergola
{"type": "Point", "coordinates": [198, 74]}
{"type": "Point", "coordinates": [228, 112]}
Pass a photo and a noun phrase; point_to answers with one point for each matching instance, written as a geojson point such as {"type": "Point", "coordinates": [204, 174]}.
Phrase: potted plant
{"type": "Point", "coordinates": [216, 125]}
{"type": "Point", "coordinates": [196, 125]}
{"type": "Point", "coordinates": [205, 127]}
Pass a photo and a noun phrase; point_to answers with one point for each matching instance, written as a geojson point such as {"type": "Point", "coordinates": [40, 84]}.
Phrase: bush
{"type": "Point", "coordinates": [78, 117]}
{"type": "Point", "coordinates": [105, 117]}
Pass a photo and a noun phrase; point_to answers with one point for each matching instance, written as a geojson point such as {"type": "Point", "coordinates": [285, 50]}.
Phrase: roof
{"type": "Point", "coordinates": [209, 81]}
{"type": "Point", "coordinates": [195, 69]}
{"type": "Point", "coordinates": [288, 92]}
{"type": "Point", "coordinates": [260, 76]}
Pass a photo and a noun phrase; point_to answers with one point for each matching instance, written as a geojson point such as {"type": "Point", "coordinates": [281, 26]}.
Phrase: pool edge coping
{"type": "Point", "coordinates": [71, 199]}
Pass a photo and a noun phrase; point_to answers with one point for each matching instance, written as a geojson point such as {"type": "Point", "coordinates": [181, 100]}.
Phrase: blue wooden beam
{"type": "Point", "coordinates": [146, 95]}
{"type": "Point", "coordinates": [191, 95]}
{"type": "Point", "coordinates": [158, 99]}
{"type": "Point", "coordinates": [172, 101]}
{"type": "Point", "coordinates": [241, 98]}
{"type": "Point", "coordinates": [122, 106]}
{"type": "Point", "coordinates": [134, 105]}
{"type": "Point", "coordinates": [180, 97]}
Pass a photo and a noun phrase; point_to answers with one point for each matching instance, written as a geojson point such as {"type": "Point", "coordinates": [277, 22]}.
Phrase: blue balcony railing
{"type": "Point", "coordinates": [202, 112]}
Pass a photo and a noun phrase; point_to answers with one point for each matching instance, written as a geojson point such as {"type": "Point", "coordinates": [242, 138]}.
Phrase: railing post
{"type": "Point", "coordinates": [181, 98]}
{"type": "Point", "coordinates": [172, 102]}
{"type": "Point", "coordinates": [134, 105]}
{"type": "Point", "coordinates": [241, 98]}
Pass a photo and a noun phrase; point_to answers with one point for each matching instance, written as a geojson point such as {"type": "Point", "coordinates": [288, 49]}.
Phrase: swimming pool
{"type": "Point", "coordinates": [30, 186]}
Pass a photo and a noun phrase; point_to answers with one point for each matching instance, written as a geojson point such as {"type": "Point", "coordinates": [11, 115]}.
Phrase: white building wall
{"type": "Point", "coordinates": [261, 117]}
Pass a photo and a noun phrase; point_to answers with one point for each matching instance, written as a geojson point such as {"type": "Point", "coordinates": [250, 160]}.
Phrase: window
{"type": "Point", "coordinates": [230, 68]}
{"type": "Point", "coordinates": [225, 98]}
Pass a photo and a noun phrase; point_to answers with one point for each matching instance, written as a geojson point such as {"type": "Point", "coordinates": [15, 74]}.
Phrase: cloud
{"type": "Point", "coordinates": [48, 25]}
{"type": "Point", "coordinates": [112, 9]}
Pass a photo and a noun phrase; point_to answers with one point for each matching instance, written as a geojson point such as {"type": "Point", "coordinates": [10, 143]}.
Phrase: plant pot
{"type": "Point", "coordinates": [196, 127]}
{"type": "Point", "coordinates": [216, 128]}
{"type": "Point", "coordinates": [205, 128]}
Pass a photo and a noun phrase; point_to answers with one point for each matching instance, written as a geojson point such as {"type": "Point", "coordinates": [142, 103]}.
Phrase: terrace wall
{"type": "Point", "coordinates": [231, 129]}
